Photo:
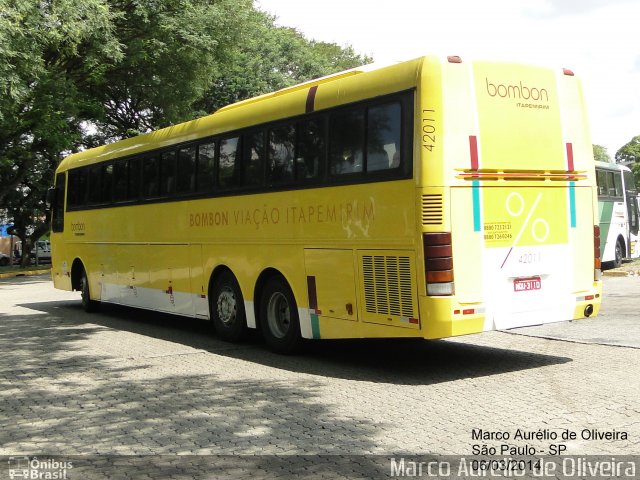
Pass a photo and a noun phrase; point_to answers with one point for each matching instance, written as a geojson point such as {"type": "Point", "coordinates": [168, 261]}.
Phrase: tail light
{"type": "Point", "coordinates": [438, 263]}
{"type": "Point", "coordinates": [597, 264]}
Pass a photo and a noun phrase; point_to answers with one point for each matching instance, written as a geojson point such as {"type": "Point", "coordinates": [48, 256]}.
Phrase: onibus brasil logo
{"type": "Point", "coordinates": [24, 467]}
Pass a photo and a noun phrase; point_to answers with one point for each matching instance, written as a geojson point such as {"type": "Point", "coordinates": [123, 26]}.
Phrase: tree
{"type": "Point", "coordinates": [629, 152]}
{"type": "Point", "coordinates": [635, 168]}
{"type": "Point", "coordinates": [50, 52]}
{"type": "Point", "coordinates": [28, 211]}
{"type": "Point", "coordinates": [76, 73]}
{"type": "Point", "coordinates": [600, 154]}
{"type": "Point", "coordinates": [173, 51]}
{"type": "Point", "coordinates": [268, 58]}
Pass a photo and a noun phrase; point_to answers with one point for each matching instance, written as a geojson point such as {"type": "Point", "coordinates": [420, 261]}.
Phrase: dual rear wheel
{"type": "Point", "coordinates": [277, 311]}
{"type": "Point", "coordinates": [280, 322]}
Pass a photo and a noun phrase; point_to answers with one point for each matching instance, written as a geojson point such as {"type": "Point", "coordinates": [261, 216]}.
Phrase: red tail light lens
{"type": "Point", "coordinates": [438, 263]}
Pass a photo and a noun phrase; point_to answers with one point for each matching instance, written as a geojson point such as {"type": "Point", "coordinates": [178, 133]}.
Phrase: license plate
{"type": "Point", "coordinates": [527, 284]}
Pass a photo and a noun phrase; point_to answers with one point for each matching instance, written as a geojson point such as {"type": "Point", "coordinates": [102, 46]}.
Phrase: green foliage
{"type": "Point", "coordinates": [268, 58]}
{"type": "Point", "coordinates": [600, 154]}
{"type": "Point", "coordinates": [629, 152]}
{"type": "Point", "coordinates": [76, 73]}
{"type": "Point", "coordinates": [173, 50]}
{"type": "Point", "coordinates": [50, 52]}
{"type": "Point", "coordinates": [635, 168]}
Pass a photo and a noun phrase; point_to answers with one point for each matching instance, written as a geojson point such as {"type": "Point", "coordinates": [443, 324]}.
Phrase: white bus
{"type": "Point", "coordinates": [618, 213]}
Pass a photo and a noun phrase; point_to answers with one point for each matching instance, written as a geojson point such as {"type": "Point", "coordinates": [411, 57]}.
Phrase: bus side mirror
{"type": "Point", "coordinates": [51, 196]}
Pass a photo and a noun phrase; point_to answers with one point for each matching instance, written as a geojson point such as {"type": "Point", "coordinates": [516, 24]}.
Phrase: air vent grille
{"type": "Point", "coordinates": [432, 209]}
{"type": "Point", "coordinates": [387, 285]}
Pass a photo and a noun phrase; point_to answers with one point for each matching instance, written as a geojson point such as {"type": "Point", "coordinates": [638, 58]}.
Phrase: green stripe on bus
{"type": "Point", "coordinates": [572, 202]}
{"type": "Point", "coordinates": [606, 213]}
{"type": "Point", "coordinates": [477, 226]}
{"type": "Point", "coordinates": [315, 326]}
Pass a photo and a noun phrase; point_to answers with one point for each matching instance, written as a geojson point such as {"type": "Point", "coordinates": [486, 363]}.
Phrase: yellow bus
{"type": "Point", "coordinates": [430, 198]}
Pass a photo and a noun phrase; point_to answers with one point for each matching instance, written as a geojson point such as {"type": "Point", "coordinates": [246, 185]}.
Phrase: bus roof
{"type": "Point", "coordinates": [611, 166]}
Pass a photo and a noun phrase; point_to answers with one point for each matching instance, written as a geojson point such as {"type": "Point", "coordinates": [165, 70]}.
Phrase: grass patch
{"type": "Point", "coordinates": [18, 269]}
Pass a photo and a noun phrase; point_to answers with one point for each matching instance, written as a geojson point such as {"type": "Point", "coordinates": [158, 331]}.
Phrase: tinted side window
{"type": "Point", "coordinates": [83, 183]}
{"type": "Point", "coordinates": [106, 195]}
{"type": "Point", "coordinates": [186, 181]}
{"type": "Point", "coordinates": [617, 182]}
{"type": "Point", "coordinates": [253, 159]}
{"type": "Point", "coordinates": [151, 177]}
{"type": "Point", "coordinates": [282, 141]}
{"type": "Point", "coordinates": [73, 198]}
{"type": "Point", "coordinates": [133, 181]}
{"type": "Point", "coordinates": [206, 157]}
{"type": "Point", "coordinates": [601, 180]}
{"type": "Point", "coordinates": [57, 223]}
{"type": "Point", "coordinates": [167, 174]}
{"type": "Point", "coordinates": [346, 142]}
{"type": "Point", "coordinates": [229, 168]}
{"type": "Point", "coordinates": [311, 149]}
{"type": "Point", "coordinates": [383, 137]}
{"type": "Point", "coordinates": [120, 181]}
{"type": "Point", "coordinates": [94, 187]}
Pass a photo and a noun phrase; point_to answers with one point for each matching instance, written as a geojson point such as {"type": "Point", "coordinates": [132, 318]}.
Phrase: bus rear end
{"type": "Point", "coordinates": [507, 163]}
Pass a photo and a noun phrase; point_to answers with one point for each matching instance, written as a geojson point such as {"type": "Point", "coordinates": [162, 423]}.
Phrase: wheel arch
{"type": "Point", "coordinates": [261, 282]}
{"type": "Point", "coordinates": [215, 274]}
{"type": "Point", "coordinates": [77, 267]}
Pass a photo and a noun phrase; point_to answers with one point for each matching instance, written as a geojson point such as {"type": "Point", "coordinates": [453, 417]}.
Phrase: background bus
{"type": "Point", "coordinates": [429, 198]}
{"type": "Point", "coordinates": [618, 213]}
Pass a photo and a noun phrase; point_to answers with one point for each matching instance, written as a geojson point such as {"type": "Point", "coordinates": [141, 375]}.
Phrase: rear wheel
{"type": "Point", "coordinates": [226, 307]}
{"type": "Point", "coordinates": [279, 317]}
{"type": "Point", "coordinates": [87, 304]}
{"type": "Point", "coordinates": [619, 254]}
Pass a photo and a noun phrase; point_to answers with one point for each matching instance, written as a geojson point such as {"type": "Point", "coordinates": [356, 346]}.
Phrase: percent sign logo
{"type": "Point", "coordinates": [515, 206]}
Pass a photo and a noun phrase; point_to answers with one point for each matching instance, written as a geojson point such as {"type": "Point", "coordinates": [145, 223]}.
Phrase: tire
{"type": "Point", "coordinates": [280, 323]}
{"type": "Point", "coordinates": [226, 308]}
{"type": "Point", "coordinates": [4, 261]}
{"type": "Point", "coordinates": [619, 254]}
{"type": "Point", "coordinates": [88, 305]}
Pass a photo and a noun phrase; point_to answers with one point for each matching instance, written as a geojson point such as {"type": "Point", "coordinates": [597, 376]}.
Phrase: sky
{"type": "Point", "coordinates": [597, 39]}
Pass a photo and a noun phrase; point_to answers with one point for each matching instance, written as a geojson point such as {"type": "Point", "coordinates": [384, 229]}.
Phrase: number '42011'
{"type": "Point", "coordinates": [428, 129]}
{"type": "Point", "coordinates": [530, 257]}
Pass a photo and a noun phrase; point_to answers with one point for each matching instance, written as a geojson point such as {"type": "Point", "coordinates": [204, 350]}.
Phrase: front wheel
{"type": "Point", "coordinates": [280, 322]}
{"type": "Point", "coordinates": [619, 254]}
{"type": "Point", "coordinates": [87, 304]}
{"type": "Point", "coordinates": [226, 307]}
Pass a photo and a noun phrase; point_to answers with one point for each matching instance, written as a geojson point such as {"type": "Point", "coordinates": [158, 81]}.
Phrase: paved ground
{"type": "Point", "coordinates": [125, 382]}
{"type": "Point", "coordinates": [617, 324]}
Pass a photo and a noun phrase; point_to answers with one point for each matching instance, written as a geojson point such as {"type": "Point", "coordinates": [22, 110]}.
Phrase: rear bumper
{"type": "Point", "coordinates": [443, 317]}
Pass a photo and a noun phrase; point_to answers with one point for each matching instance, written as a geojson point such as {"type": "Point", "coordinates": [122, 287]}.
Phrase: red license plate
{"type": "Point", "coordinates": [527, 284]}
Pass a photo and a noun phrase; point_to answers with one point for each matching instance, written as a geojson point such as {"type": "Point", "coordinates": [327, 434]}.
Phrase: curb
{"type": "Point", "coordinates": [25, 273]}
{"type": "Point", "coordinates": [620, 273]}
